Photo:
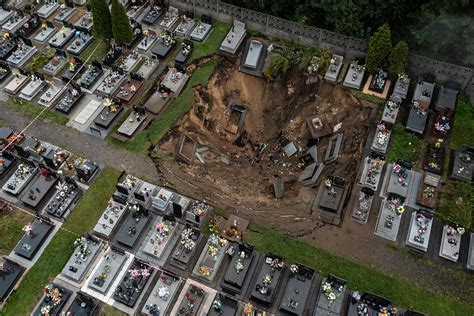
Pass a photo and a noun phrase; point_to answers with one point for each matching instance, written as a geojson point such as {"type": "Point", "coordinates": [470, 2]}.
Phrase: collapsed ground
{"type": "Point", "coordinates": [276, 112]}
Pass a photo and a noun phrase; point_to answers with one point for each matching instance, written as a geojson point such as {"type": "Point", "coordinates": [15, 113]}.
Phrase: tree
{"type": "Point", "coordinates": [380, 45]}
{"type": "Point", "coordinates": [102, 21]}
{"type": "Point", "coordinates": [398, 59]}
{"type": "Point", "coordinates": [121, 28]}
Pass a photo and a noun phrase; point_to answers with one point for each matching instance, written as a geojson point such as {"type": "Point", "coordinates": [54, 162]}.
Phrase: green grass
{"type": "Point", "coordinates": [39, 61]}
{"type": "Point", "coordinates": [463, 130]}
{"type": "Point", "coordinates": [108, 310]}
{"type": "Point", "coordinates": [212, 42]}
{"type": "Point", "coordinates": [367, 97]}
{"type": "Point", "coordinates": [358, 277]}
{"type": "Point", "coordinates": [50, 264]}
{"type": "Point", "coordinates": [403, 145]}
{"type": "Point", "coordinates": [93, 203]}
{"type": "Point", "coordinates": [456, 203]}
{"type": "Point", "coordinates": [166, 120]}
{"type": "Point", "coordinates": [98, 54]}
{"type": "Point", "coordinates": [34, 109]}
{"type": "Point", "coordinates": [11, 225]}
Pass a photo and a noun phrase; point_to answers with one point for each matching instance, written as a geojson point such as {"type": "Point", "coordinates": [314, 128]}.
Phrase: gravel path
{"type": "Point", "coordinates": [81, 143]}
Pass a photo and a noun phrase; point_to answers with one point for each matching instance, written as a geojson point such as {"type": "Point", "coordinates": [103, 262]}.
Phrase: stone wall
{"type": "Point", "coordinates": [348, 46]}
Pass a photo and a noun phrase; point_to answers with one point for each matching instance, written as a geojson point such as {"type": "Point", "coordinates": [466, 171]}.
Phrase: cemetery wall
{"type": "Point", "coordinates": [348, 46]}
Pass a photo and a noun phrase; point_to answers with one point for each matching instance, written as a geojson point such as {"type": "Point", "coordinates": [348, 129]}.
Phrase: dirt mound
{"type": "Point", "coordinates": [275, 111]}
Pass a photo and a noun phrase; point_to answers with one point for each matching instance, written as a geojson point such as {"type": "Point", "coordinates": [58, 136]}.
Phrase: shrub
{"type": "Point", "coordinates": [398, 60]}
{"type": "Point", "coordinates": [380, 45]}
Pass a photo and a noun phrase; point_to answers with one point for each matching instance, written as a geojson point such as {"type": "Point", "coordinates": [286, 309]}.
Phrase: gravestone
{"type": "Point", "coordinates": [268, 280]}
{"type": "Point", "coordinates": [367, 304]}
{"type": "Point", "coordinates": [82, 258]}
{"type": "Point", "coordinates": [223, 305]}
{"type": "Point", "coordinates": [110, 218]}
{"type": "Point", "coordinates": [54, 299]}
{"type": "Point", "coordinates": [23, 174]}
{"type": "Point", "coordinates": [297, 288]}
{"type": "Point", "coordinates": [210, 259]}
{"type": "Point", "coordinates": [201, 31]}
{"type": "Point", "coordinates": [83, 305]}
{"type": "Point", "coordinates": [419, 231]}
{"type": "Point", "coordinates": [185, 249]}
{"type": "Point", "coordinates": [195, 295]}
{"type": "Point", "coordinates": [162, 294]}
{"type": "Point", "coordinates": [336, 286]}
{"type": "Point", "coordinates": [133, 226]}
{"type": "Point", "coordinates": [10, 274]}
{"type": "Point", "coordinates": [107, 269]}
{"type": "Point", "coordinates": [30, 244]}
{"type": "Point", "coordinates": [133, 283]}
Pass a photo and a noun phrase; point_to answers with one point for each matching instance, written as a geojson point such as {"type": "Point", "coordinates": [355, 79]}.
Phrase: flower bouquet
{"type": "Point", "coordinates": [53, 298]}
{"type": "Point", "coordinates": [83, 250]}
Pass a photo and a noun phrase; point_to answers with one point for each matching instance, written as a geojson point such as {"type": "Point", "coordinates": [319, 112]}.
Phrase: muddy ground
{"type": "Point", "coordinates": [276, 111]}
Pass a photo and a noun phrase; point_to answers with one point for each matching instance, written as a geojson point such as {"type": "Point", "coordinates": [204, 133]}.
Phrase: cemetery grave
{"type": "Point", "coordinates": [162, 295]}
{"type": "Point", "coordinates": [378, 84]}
{"type": "Point", "coordinates": [83, 305]}
{"type": "Point", "coordinates": [334, 68]}
{"type": "Point", "coordinates": [10, 274]}
{"type": "Point", "coordinates": [8, 161]}
{"type": "Point", "coordinates": [15, 22]}
{"type": "Point", "coordinates": [106, 271]}
{"type": "Point", "coordinates": [202, 30]}
{"type": "Point", "coordinates": [183, 254]}
{"type": "Point", "coordinates": [170, 19]}
{"type": "Point", "coordinates": [165, 45]}
{"type": "Point", "coordinates": [112, 55]}
{"type": "Point", "coordinates": [447, 97]}
{"type": "Point", "coordinates": [392, 106]}
{"type": "Point", "coordinates": [354, 76]}
{"type": "Point", "coordinates": [421, 101]}
{"type": "Point", "coordinates": [55, 64]}
{"type": "Point", "coordinates": [433, 160]}
{"type": "Point", "coordinates": [238, 273]}
{"type": "Point", "coordinates": [184, 54]}
{"type": "Point", "coordinates": [253, 58]}
{"type": "Point", "coordinates": [85, 22]}
{"type": "Point", "coordinates": [48, 9]}
{"type": "Point", "coordinates": [79, 43]}
{"type": "Point", "coordinates": [190, 304]}
{"type": "Point", "coordinates": [381, 137]}
{"type": "Point", "coordinates": [62, 37]}
{"type": "Point", "coordinates": [29, 27]}
{"type": "Point", "coordinates": [44, 34]}
{"type": "Point", "coordinates": [363, 206]}
{"type": "Point", "coordinates": [149, 39]}
{"type": "Point", "coordinates": [53, 300]}
{"type": "Point", "coordinates": [296, 290]}
{"type": "Point", "coordinates": [32, 88]}
{"type": "Point", "coordinates": [332, 294]}
{"type": "Point", "coordinates": [450, 242]}
{"type": "Point", "coordinates": [128, 90]}
{"type": "Point", "coordinates": [111, 83]}
{"type": "Point", "coordinates": [20, 179]}
{"type": "Point", "coordinates": [90, 75]}
{"type": "Point", "coordinates": [5, 15]}
{"type": "Point", "coordinates": [7, 46]}
{"type": "Point", "coordinates": [35, 236]}
{"type": "Point", "coordinates": [389, 218]}
{"type": "Point", "coordinates": [429, 191]}
{"type": "Point", "coordinates": [234, 38]}
{"type": "Point", "coordinates": [112, 215]}
{"type": "Point", "coordinates": [463, 164]}
{"type": "Point", "coordinates": [186, 25]}
{"type": "Point", "coordinates": [133, 283]}
{"type": "Point", "coordinates": [330, 200]}
{"type": "Point", "coordinates": [372, 171]}
{"type": "Point", "coordinates": [64, 13]}
{"type": "Point", "coordinates": [153, 14]}
{"type": "Point", "coordinates": [369, 304]}
{"type": "Point", "coordinates": [49, 97]}
{"type": "Point", "coordinates": [210, 259]}
{"type": "Point", "coordinates": [442, 123]}
{"type": "Point", "coordinates": [21, 55]}
{"type": "Point", "coordinates": [420, 230]}
{"type": "Point", "coordinates": [268, 279]}
{"type": "Point", "coordinates": [17, 83]}
{"type": "Point", "coordinates": [86, 250]}
{"type": "Point", "coordinates": [69, 99]}
{"type": "Point", "coordinates": [133, 122]}
{"type": "Point", "coordinates": [38, 190]}
{"type": "Point", "coordinates": [223, 305]}
{"type": "Point", "coordinates": [133, 226]}
{"type": "Point", "coordinates": [63, 200]}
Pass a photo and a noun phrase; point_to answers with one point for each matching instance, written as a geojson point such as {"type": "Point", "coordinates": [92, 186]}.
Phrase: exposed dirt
{"type": "Point", "coordinates": [276, 111]}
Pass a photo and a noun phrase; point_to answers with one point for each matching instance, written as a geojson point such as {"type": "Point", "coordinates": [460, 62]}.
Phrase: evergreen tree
{"type": "Point", "coordinates": [380, 45]}
{"type": "Point", "coordinates": [122, 30]}
{"type": "Point", "coordinates": [398, 59]}
{"type": "Point", "coordinates": [102, 21]}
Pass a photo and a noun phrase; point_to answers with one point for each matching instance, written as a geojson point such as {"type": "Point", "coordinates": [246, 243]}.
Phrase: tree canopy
{"type": "Point", "coordinates": [398, 59]}
{"type": "Point", "coordinates": [121, 28]}
{"type": "Point", "coordinates": [379, 47]}
{"type": "Point", "coordinates": [102, 27]}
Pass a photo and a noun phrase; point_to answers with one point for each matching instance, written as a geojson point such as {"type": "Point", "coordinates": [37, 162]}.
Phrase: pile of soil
{"type": "Point", "coordinates": [276, 111]}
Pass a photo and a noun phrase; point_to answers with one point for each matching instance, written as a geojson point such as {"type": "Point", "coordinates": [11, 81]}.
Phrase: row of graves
{"type": "Point", "coordinates": [404, 190]}
{"type": "Point", "coordinates": [45, 180]}
{"type": "Point", "coordinates": [148, 254]}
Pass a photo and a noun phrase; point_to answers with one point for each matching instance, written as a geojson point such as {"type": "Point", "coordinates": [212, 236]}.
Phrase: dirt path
{"type": "Point", "coordinates": [81, 143]}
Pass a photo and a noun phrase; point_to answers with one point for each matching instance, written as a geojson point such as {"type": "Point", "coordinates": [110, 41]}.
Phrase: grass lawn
{"type": "Point", "coordinates": [367, 97]}
{"type": "Point", "coordinates": [180, 106]}
{"type": "Point", "coordinates": [92, 204]}
{"type": "Point", "coordinates": [34, 110]}
{"type": "Point", "coordinates": [50, 264]}
{"type": "Point", "coordinates": [98, 54]}
{"type": "Point", "coordinates": [108, 310]}
{"type": "Point", "coordinates": [463, 130]}
{"type": "Point", "coordinates": [212, 42]}
{"type": "Point", "coordinates": [39, 61]}
{"type": "Point", "coordinates": [358, 277]}
{"type": "Point", "coordinates": [403, 145]}
{"type": "Point", "coordinates": [11, 225]}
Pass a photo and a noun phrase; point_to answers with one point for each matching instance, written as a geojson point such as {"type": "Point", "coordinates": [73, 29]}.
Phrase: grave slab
{"type": "Point", "coordinates": [44, 35]}
{"type": "Point", "coordinates": [54, 299]}
{"type": "Point", "coordinates": [64, 14]}
{"type": "Point", "coordinates": [30, 244]}
{"type": "Point", "coordinates": [334, 68]}
{"type": "Point", "coordinates": [372, 172]}
{"type": "Point", "coordinates": [61, 38]}
{"type": "Point", "coordinates": [106, 271]}
{"type": "Point", "coordinates": [296, 292]}
{"type": "Point", "coordinates": [49, 97]}
{"type": "Point", "coordinates": [185, 27]}
{"type": "Point", "coordinates": [83, 305]}
{"type": "Point", "coordinates": [108, 221]}
{"type": "Point", "coordinates": [152, 16]}
{"type": "Point", "coordinates": [210, 259]}
{"type": "Point", "coordinates": [162, 294]}
{"type": "Point", "coordinates": [14, 23]}
{"type": "Point", "coordinates": [79, 44]}
{"type": "Point", "coordinates": [450, 243]}
{"type": "Point", "coordinates": [363, 206]}
{"type": "Point", "coordinates": [201, 31]}
{"type": "Point", "coordinates": [354, 76]}
{"type": "Point", "coordinates": [111, 83]}
{"type": "Point", "coordinates": [21, 56]}
{"type": "Point", "coordinates": [133, 283]}
{"type": "Point", "coordinates": [185, 248]}
{"type": "Point", "coordinates": [16, 83]}
{"type": "Point", "coordinates": [82, 259]}
{"type": "Point", "coordinates": [419, 232]}
{"type": "Point", "coordinates": [85, 22]}
{"type": "Point", "coordinates": [5, 15]}
{"type": "Point", "coordinates": [336, 286]}
{"type": "Point", "coordinates": [10, 274]}
{"type": "Point", "coordinates": [132, 228]}
{"type": "Point", "coordinates": [234, 38]}
{"type": "Point", "coordinates": [61, 203]}
{"type": "Point", "coordinates": [268, 279]}
{"type": "Point", "coordinates": [223, 305]}
{"type": "Point", "coordinates": [170, 18]}
{"type": "Point", "coordinates": [32, 88]}
{"type": "Point", "coordinates": [388, 221]}
{"type": "Point", "coordinates": [47, 9]}
{"type": "Point", "coordinates": [20, 179]}
{"type": "Point", "coordinates": [68, 100]}
{"type": "Point", "coordinates": [38, 189]}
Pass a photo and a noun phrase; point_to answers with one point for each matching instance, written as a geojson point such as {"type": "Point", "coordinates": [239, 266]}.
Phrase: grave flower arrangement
{"type": "Point", "coordinates": [163, 230]}
{"type": "Point", "coordinates": [275, 263]}
{"type": "Point", "coordinates": [28, 229]}
{"type": "Point", "coordinates": [22, 171]}
{"type": "Point", "coordinates": [383, 134]}
{"type": "Point", "coordinates": [375, 168]}
{"type": "Point", "coordinates": [188, 239]}
{"type": "Point", "coordinates": [53, 298]}
{"type": "Point", "coordinates": [164, 293]}
{"type": "Point", "coordinates": [189, 302]}
{"type": "Point", "coordinates": [328, 183]}
{"type": "Point", "coordinates": [167, 39]}
{"type": "Point", "coordinates": [391, 105]}
{"type": "Point", "coordinates": [248, 309]}
{"type": "Point", "coordinates": [314, 65]}
{"type": "Point", "coordinates": [330, 293]}
{"type": "Point", "coordinates": [200, 209]}
{"type": "Point", "coordinates": [217, 305]}
{"type": "Point", "coordinates": [429, 192]}
{"type": "Point", "coordinates": [294, 268]}
{"type": "Point", "coordinates": [205, 270]}
{"type": "Point", "coordinates": [83, 250]}
{"type": "Point", "coordinates": [442, 125]}
{"type": "Point", "coordinates": [393, 204]}
{"type": "Point", "coordinates": [401, 173]}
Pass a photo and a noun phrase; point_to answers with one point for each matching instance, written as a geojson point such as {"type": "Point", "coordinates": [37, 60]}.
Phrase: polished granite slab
{"type": "Point", "coordinates": [107, 270]}
{"type": "Point", "coordinates": [162, 295]}
{"type": "Point", "coordinates": [47, 9]}
{"type": "Point", "coordinates": [30, 244]}
{"type": "Point", "coordinates": [82, 259]}
{"type": "Point", "coordinates": [37, 190]}
{"type": "Point", "coordinates": [20, 179]}
{"type": "Point", "coordinates": [21, 56]}
{"type": "Point", "coordinates": [16, 83]}
{"type": "Point", "coordinates": [61, 38]}
{"type": "Point", "coordinates": [32, 88]}
{"type": "Point", "coordinates": [50, 96]}
{"type": "Point", "coordinates": [109, 219]}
